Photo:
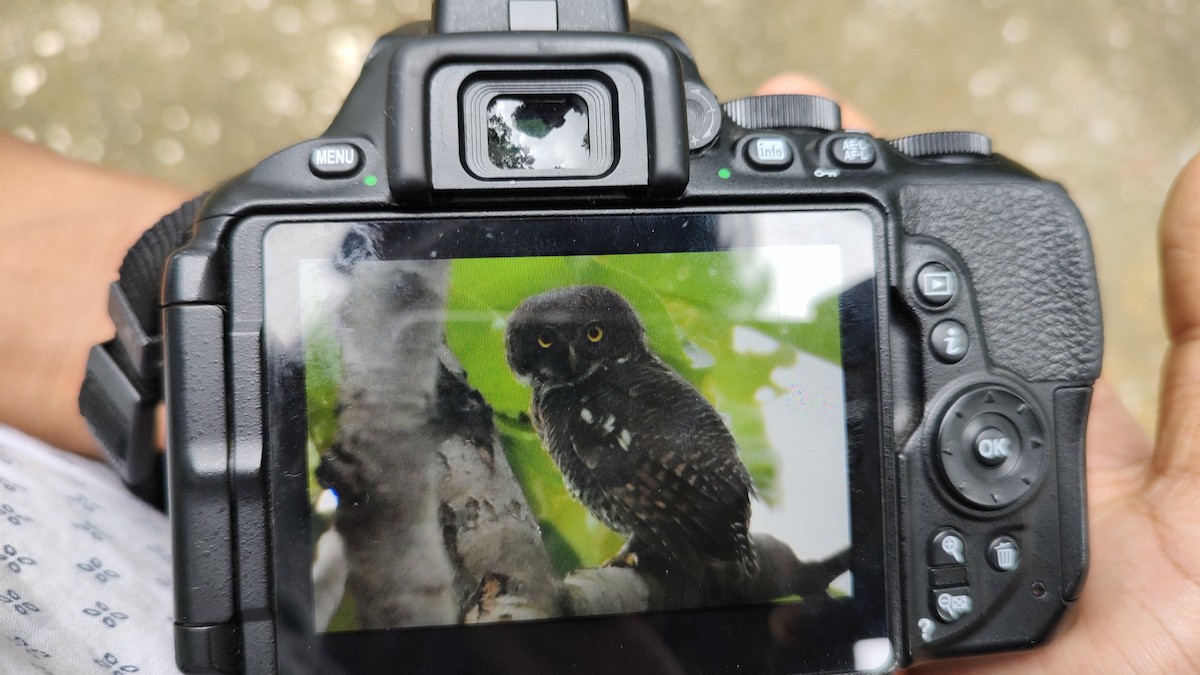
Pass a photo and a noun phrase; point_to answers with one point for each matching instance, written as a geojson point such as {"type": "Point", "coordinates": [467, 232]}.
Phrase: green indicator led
{"type": "Point", "coordinates": [371, 181]}
{"type": "Point", "coordinates": [724, 174]}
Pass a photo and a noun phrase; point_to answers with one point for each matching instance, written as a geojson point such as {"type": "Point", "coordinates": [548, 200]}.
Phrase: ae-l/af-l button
{"type": "Point", "coordinates": [854, 151]}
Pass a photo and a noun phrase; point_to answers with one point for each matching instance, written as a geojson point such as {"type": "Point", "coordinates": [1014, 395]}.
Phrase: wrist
{"type": "Point", "coordinates": [63, 240]}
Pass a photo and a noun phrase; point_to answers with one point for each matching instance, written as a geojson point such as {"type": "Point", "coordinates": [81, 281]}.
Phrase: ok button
{"type": "Point", "coordinates": [993, 446]}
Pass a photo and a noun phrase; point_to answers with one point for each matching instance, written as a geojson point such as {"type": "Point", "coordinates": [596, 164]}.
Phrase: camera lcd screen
{"type": "Point", "coordinates": [659, 430]}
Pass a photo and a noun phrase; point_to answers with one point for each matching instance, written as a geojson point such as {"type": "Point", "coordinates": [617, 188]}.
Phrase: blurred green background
{"type": "Point", "coordinates": [1098, 94]}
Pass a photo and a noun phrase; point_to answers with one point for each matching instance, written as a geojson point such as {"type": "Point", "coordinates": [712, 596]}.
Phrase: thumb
{"type": "Point", "coordinates": [792, 83]}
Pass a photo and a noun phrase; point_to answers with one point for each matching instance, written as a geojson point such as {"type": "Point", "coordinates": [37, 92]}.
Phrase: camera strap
{"type": "Point", "coordinates": [123, 383]}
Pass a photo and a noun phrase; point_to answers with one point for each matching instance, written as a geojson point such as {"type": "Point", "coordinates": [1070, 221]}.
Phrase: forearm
{"type": "Point", "coordinates": [64, 229]}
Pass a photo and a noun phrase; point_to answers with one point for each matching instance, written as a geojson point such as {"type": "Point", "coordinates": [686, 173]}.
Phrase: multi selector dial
{"type": "Point", "coordinates": [991, 446]}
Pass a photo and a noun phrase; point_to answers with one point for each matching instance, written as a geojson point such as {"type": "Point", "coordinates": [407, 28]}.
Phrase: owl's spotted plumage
{"type": "Point", "coordinates": [637, 444]}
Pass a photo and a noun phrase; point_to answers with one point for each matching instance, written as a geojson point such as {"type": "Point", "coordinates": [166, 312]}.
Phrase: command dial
{"type": "Point", "coordinates": [785, 111]}
{"type": "Point", "coordinates": [945, 143]}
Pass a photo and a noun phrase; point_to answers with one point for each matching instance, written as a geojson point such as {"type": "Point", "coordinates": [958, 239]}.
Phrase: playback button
{"type": "Point", "coordinates": [936, 284]}
{"type": "Point", "coordinates": [769, 153]}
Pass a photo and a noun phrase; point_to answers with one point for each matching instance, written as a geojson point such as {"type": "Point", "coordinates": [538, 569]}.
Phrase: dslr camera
{"type": "Point", "coordinates": [540, 359]}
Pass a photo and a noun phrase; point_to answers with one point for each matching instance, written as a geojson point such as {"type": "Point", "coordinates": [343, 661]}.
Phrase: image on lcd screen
{"type": "Point", "coordinates": [625, 433]}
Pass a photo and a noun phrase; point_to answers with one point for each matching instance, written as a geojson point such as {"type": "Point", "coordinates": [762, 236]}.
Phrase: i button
{"type": "Point", "coordinates": [949, 341]}
{"type": "Point", "coordinates": [771, 153]}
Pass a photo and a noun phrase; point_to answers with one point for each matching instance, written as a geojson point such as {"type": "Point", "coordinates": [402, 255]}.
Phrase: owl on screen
{"type": "Point", "coordinates": [635, 442]}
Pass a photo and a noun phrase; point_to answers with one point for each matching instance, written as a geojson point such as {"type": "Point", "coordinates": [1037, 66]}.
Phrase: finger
{"type": "Point", "coordinates": [791, 83]}
{"type": "Point", "coordinates": [1118, 451]}
{"type": "Point", "coordinates": [1180, 240]}
{"type": "Point", "coordinates": [1177, 457]}
{"type": "Point", "coordinates": [1114, 438]}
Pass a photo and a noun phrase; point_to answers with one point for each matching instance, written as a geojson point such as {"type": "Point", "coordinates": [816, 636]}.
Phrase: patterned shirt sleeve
{"type": "Point", "coordinates": [85, 567]}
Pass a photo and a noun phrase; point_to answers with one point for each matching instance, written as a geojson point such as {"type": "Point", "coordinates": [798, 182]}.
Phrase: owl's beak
{"type": "Point", "coordinates": [572, 359]}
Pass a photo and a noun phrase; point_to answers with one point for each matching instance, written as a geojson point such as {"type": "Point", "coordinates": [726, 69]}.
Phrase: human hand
{"type": "Point", "coordinates": [1140, 607]}
{"type": "Point", "coordinates": [64, 228]}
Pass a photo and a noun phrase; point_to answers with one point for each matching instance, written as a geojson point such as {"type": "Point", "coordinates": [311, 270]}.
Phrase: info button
{"type": "Point", "coordinates": [334, 160]}
{"type": "Point", "coordinates": [770, 153]}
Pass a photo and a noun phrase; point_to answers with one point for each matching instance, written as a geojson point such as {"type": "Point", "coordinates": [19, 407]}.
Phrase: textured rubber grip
{"type": "Point", "coordinates": [1030, 261]}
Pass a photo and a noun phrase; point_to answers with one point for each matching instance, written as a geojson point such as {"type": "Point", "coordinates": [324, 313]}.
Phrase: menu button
{"type": "Point", "coordinates": [334, 160]}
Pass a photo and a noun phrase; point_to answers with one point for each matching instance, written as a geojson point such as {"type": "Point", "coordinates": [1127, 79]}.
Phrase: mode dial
{"type": "Point", "coordinates": [782, 111]}
{"type": "Point", "coordinates": [942, 143]}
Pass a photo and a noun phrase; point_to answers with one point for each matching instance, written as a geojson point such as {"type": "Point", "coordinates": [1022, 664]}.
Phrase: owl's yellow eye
{"type": "Point", "coordinates": [595, 333]}
{"type": "Point", "coordinates": [544, 341]}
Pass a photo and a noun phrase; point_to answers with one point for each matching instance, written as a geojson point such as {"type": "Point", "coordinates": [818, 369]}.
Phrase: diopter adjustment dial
{"type": "Point", "coordinates": [785, 111]}
{"type": "Point", "coordinates": [703, 116]}
{"type": "Point", "coordinates": [945, 143]}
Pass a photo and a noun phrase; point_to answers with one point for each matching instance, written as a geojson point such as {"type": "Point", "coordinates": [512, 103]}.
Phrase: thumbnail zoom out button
{"type": "Point", "coordinates": [952, 604]}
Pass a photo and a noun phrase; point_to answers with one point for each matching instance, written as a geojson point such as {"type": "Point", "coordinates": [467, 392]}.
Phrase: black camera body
{"type": "Point", "coordinates": [948, 295]}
